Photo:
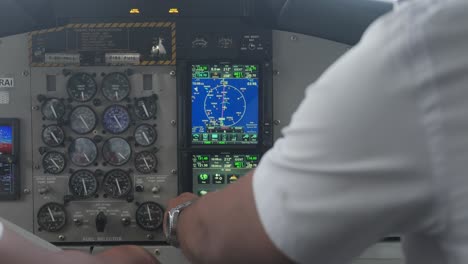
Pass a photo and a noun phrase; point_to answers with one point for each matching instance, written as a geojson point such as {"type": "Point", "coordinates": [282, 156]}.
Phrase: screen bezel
{"type": "Point", "coordinates": [189, 141]}
{"type": "Point", "coordinates": [14, 124]}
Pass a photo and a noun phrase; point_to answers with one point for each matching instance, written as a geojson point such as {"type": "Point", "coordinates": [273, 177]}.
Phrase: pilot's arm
{"type": "Point", "coordinates": [353, 167]}
{"type": "Point", "coordinates": [15, 249]}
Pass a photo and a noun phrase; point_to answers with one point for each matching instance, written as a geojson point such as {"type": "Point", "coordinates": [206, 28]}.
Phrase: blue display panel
{"type": "Point", "coordinates": [225, 104]}
{"type": "Point", "coordinates": [7, 176]}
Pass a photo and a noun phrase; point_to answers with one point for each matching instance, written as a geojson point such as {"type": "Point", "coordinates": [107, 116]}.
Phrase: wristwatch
{"type": "Point", "coordinates": [171, 223]}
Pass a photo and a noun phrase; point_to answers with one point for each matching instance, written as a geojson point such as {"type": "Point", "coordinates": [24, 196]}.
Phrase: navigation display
{"type": "Point", "coordinates": [6, 140]}
{"type": "Point", "coordinates": [212, 172]}
{"type": "Point", "coordinates": [225, 104]}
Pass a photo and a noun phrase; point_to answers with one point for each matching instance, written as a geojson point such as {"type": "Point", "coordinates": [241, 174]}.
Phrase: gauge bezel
{"type": "Point", "coordinates": [58, 117]}
{"type": "Point", "coordinates": [54, 145]}
{"type": "Point", "coordinates": [129, 119]}
{"type": "Point", "coordinates": [145, 152]}
{"type": "Point", "coordinates": [90, 163]}
{"type": "Point", "coordinates": [158, 226]}
{"type": "Point", "coordinates": [60, 154]}
{"type": "Point", "coordinates": [109, 174]}
{"type": "Point", "coordinates": [69, 87]}
{"type": "Point", "coordinates": [95, 118]}
{"type": "Point", "coordinates": [110, 75]}
{"type": "Point", "coordinates": [75, 175]}
{"type": "Point", "coordinates": [149, 98]}
{"type": "Point", "coordinates": [104, 156]}
{"type": "Point", "coordinates": [62, 225]}
{"type": "Point", "coordinates": [155, 133]}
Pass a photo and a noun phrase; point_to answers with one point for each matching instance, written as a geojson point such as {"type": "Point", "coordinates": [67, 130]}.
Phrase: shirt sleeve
{"type": "Point", "coordinates": [353, 166]}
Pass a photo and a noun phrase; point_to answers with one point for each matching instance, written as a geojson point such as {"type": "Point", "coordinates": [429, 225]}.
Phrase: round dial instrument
{"type": "Point", "coordinates": [51, 217]}
{"type": "Point", "coordinates": [83, 152]}
{"type": "Point", "coordinates": [53, 136]}
{"type": "Point", "coordinates": [145, 107]}
{"type": "Point", "coordinates": [117, 183]}
{"type": "Point", "coordinates": [116, 119]}
{"type": "Point", "coordinates": [149, 216]}
{"type": "Point", "coordinates": [116, 151]}
{"type": "Point", "coordinates": [83, 184]}
{"type": "Point", "coordinates": [115, 87]}
{"type": "Point", "coordinates": [145, 162]}
{"type": "Point", "coordinates": [225, 106]}
{"type": "Point", "coordinates": [53, 109]}
{"type": "Point", "coordinates": [145, 135]}
{"type": "Point", "coordinates": [54, 162]}
{"type": "Point", "coordinates": [82, 119]}
{"type": "Point", "coordinates": [81, 87]}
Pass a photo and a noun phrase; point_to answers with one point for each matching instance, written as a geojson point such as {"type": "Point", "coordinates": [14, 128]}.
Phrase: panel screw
{"type": "Point", "coordinates": [276, 72]}
{"type": "Point", "coordinates": [293, 37]}
{"type": "Point", "coordinates": [277, 122]}
{"type": "Point", "coordinates": [172, 73]}
{"type": "Point", "coordinates": [174, 171]}
{"type": "Point", "coordinates": [61, 237]}
{"type": "Point", "coordinates": [149, 236]}
{"type": "Point", "coordinates": [25, 73]}
{"type": "Point", "coordinates": [37, 167]}
{"type": "Point", "coordinates": [173, 122]}
{"type": "Point", "coordinates": [157, 252]}
{"type": "Point", "coordinates": [27, 191]}
{"type": "Point", "coordinates": [35, 108]}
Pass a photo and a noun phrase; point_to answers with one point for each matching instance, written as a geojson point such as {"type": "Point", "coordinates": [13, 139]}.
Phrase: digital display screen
{"type": "Point", "coordinates": [7, 180]}
{"type": "Point", "coordinates": [6, 140]}
{"type": "Point", "coordinates": [225, 104]}
{"type": "Point", "coordinates": [212, 172]}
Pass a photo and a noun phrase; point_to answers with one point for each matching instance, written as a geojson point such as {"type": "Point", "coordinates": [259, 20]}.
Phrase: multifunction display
{"type": "Point", "coordinates": [8, 169]}
{"type": "Point", "coordinates": [212, 172]}
{"type": "Point", "coordinates": [225, 104]}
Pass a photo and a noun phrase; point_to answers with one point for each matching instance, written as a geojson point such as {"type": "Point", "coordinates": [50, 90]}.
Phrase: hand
{"type": "Point", "coordinates": [185, 197]}
{"type": "Point", "coordinates": [127, 255]}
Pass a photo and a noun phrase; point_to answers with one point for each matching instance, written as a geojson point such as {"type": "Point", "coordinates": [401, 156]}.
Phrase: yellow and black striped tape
{"type": "Point", "coordinates": [171, 25]}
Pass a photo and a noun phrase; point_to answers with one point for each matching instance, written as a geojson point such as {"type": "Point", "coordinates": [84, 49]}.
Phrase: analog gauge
{"type": "Point", "coordinates": [145, 107]}
{"type": "Point", "coordinates": [145, 162]}
{"type": "Point", "coordinates": [82, 152]}
{"type": "Point", "coordinates": [83, 184]}
{"type": "Point", "coordinates": [53, 136]}
{"type": "Point", "coordinates": [115, 87]}
{"type": "Point", "coordinates": [117, 183]}
{"type": "Point", "coordinates": [116, 151]}
{"type": "Point", "coordinates": [145, 135]}
{"type": "Point", "coordinates": [52, 217]}
{"type": "Point", "coordinates": [116, 119]}
{"type": "Point", "coordinates": [54, 162]}
{"type": "Point", "coordinates": [82, 119]}
{"type": "Point", "coordinates": [53, 109]}
{"type": "Point", "coordinates": [149, 216]}
{"type": "Point", "coordinates": [82, 87]}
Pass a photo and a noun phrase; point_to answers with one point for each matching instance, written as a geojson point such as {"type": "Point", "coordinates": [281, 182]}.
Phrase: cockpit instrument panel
{"type": "Point", "coordinates": [225, 104]}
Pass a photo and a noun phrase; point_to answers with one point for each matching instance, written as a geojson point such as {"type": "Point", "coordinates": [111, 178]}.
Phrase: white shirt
{"type": "Point", "coordinates": [379, 146]}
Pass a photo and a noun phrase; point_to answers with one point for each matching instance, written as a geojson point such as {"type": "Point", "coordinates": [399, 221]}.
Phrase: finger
{"type": "Point", "coordinates": [127, 255]}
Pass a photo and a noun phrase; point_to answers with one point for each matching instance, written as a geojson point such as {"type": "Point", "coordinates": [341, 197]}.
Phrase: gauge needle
{"type": "Point", "coordinates": [116, 95]}
{"type": "Point", "coordinates": [84, 122]}
{"type": "Point", "coordinates": [86, 157]}
{"type": "Point", "coordinates": [82, 96]}
{"type": "Point", "coordinates": [51, 214]}
{"type": "Point", "coordinates": [118, 122]}
{"type": "Point", "coordinates": [146, 137]}
{"type": "Point", "coordinates": [55, 163]}
{"type": "Point", "coordinates": [147, 166]}
{"type": "Point", "coordinates": [118, 186]}
{"type": "Point", "coordinates": [146, 110]}
{"type": "Point", "coordinates": [122, 156]}
{"type": "Point", "coordinates": [149, 213]}
{"type": "Point", "coordinates": [54, 137]}
{"type": "Point", "coordinates": [84, 186]}
{"type": "Point", "coordinates": [53, 111]}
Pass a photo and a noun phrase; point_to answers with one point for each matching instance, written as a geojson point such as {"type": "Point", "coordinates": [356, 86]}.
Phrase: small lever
{"type": "Point", "coordinates": [101, 222]}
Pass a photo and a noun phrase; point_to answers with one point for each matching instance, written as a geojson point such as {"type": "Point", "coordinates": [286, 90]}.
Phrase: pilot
{"type": "Point", "coordinates": [378, 147]}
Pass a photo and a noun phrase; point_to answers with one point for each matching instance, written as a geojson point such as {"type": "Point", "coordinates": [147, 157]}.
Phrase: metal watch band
{"type": "Point", "coordinates": [172, 220]}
